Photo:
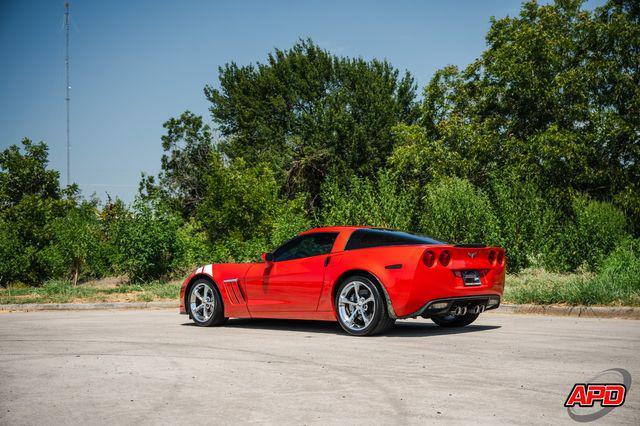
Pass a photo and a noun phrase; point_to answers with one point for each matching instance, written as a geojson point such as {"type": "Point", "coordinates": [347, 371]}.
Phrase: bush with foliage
{"type": "Point", "coordinates": [619, 275]}
{"type": "Point", "coordinates": [457, 212]}
{"type": "Point", "coordinates": [192, 248]}
{"type": "Point", "coordinates": [383, 201]}
{"type": "Point", "coordinates": [600, 227]}
{"type": "Point", "coordinates": [30, 199]}
{"type": "Point", "coordinates": [590, 232]}
{"type": "Point", "coordinates": [522, 215]}
{"type": "Point", "coordinates": [77, 245]}
{"type": "Point", "coordinates": [146, 242]}
{"type": "Point", "coordinates": [290, 219]}
{"type": "Point", "coordinates": [240, 201]}
{"type": "Point", "coordinates": [14, 262]}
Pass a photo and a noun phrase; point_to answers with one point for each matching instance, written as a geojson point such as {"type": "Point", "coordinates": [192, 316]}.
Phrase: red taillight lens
{"type": "Point", "coordinates": [429, 258]}
{"type": "Point", "coordinates": [500, 258]}
{"type": "Point", "coordinates": [492, 257]}
{"type": "Point", "coordinates": [445, 257]}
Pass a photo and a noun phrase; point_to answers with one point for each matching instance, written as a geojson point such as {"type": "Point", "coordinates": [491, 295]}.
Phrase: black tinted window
{"type": "Point", "coordinates": [365, 238]}
{"type": "Point", "coordinates": [305, 246]}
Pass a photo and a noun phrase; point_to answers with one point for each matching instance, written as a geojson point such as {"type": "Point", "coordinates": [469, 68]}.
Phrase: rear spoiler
{"type": "Point", "coordinates": [472, 245]}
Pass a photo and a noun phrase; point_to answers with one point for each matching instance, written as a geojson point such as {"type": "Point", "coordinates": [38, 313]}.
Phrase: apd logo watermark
{"type": "Point", "coordinates": [599, 395]}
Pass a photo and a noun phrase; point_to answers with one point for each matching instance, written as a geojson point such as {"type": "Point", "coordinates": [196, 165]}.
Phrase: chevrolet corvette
{"type": "Point", "coordinates": [363, 278]}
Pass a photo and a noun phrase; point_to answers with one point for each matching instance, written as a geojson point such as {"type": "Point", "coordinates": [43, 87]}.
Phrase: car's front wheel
{"type": "Point", "coordinates": [455, 320]}
{"type": "Point", "coordinates": [205, 304]}
{"type": "Point", "coordinates": [360, 307]}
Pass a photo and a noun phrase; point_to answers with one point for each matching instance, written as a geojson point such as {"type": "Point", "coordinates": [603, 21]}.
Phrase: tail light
{"type": "Point", "coordinates": [500, 258]}
{"type": "Point", "coordinates": [445, 258]}
{"type": "Point", "coordinates": [429, 258]}
{"type": "Point", "coordinates": [492, 257]}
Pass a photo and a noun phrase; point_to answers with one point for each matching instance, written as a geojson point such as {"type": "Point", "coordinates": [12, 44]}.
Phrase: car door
{"type": "Point", "coordinates": [292, 281]}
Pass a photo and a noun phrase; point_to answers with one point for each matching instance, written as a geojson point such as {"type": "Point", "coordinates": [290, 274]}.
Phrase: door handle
{"type": "Point", "coordinates": [326, 261]}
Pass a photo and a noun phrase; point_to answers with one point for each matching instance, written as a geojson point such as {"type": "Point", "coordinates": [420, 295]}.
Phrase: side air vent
{"type": "Point", "coordinates": [233, 291]}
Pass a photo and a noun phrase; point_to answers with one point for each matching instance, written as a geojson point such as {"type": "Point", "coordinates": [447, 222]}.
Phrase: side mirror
{"type": "Point", "coordinates": [267, 257]}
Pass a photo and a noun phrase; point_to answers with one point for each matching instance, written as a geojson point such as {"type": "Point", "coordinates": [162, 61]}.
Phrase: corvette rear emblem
{"type": "Point", "coordinates": [472, 254]}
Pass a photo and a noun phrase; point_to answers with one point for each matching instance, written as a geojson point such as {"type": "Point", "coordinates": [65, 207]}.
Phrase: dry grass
{"type": "Point", "coordinates": [105, 290]}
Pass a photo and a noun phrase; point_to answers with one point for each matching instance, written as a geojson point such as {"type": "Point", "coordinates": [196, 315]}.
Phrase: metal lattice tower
{"type": "Point", "coordinates": [68, 88]}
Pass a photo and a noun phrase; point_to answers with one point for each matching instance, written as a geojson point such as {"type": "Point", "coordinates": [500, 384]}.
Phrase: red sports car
{"type": "Point", "coordinates": [365, 278]}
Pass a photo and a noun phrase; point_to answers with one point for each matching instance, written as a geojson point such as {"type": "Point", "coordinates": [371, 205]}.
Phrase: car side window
{"type": "Point", "coordinates": [305, 246]}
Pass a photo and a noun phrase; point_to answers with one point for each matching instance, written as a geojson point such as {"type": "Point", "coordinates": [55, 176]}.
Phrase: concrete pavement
{"type": "Point", "coordinates": [153, 366]}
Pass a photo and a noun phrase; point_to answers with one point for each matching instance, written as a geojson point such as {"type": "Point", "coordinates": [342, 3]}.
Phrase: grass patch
{"type": "Point", "coordinates": [617, 284]}
{"type": "Point", "coordinates": [61, 291]}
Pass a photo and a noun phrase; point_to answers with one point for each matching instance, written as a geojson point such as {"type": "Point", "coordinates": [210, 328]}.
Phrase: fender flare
{"type": "Point", "coordinates": [370, 275]}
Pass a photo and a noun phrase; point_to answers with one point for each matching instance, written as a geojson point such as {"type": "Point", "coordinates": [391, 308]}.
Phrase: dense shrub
{"type": "Point", "coordinates": [77, 245]}
{"type": "Point", "coordinates": [290, 219]}
{"type": "Point", "coordinates": [600, 228]}
{"type": "Point", "coordinates": [523, 216]}
{"type": "Point", "coordinates": [382, 202]}
{"type": "Point", "coordinates": [146, 241]}
{"type": "Point", "coordinates": [620, 272]}
{"type": "Point", "coordinates": [235, 250]}
{"type": "Point", "coordinates": [240, 202]}
{"type": "Point", "coordinates": [14, 262]}
{"type": "Point", "coordinates": [455, 211]}
{"type": "Point", "coordinates": [30, 199]}
{"type": "Point", "coordinates": [192, 248]}
{"type": "Point", "coordinates": [591, 232]}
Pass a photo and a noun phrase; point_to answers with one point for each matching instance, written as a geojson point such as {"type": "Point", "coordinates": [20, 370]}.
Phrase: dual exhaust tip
{"type": "Point", "coordinates": [462, 310]}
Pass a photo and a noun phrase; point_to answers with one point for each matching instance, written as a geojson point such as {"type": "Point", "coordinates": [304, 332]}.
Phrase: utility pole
{"type": "Point", "coordinates": [68, 89]}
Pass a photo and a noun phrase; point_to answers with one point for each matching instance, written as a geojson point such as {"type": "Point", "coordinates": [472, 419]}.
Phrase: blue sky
{"type": "Point", "coordinates": [136, 63]}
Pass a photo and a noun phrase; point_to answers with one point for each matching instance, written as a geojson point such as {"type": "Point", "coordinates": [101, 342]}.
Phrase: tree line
{"type": "Point", "coordinates": [533, 146]}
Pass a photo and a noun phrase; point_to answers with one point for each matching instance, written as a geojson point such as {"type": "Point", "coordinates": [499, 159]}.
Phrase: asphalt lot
{"type": "Point", "coordinates": [143, 367]}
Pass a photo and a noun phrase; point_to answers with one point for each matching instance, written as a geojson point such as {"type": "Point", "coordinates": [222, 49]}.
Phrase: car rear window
{"type": "Point", "coordinates": [367, 238]}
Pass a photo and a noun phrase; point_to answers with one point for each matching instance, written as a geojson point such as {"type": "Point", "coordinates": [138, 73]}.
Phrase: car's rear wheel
{"type": "Point", "coordinates": [205, 304]}
{"type": "Point", "coordinates": [455, 320]}
{"type": "Point", "coordinates": [360, 307]}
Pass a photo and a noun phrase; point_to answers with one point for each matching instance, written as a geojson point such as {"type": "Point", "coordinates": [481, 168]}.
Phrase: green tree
{"type": "Point", "coordinates": [241, 201]}
{"type": "Point", "coordinates": [305, 110]}
{"type": "Point", "coordinates": [188, 145]}
{"type": "Point", "coordinates": [30, 199]}
{"type": "Point", "coordinates": [15, 259]}
{"type": "Point", "coordinates": [553, 99]}
{"type": "Point", "coordinates": [77, 243]}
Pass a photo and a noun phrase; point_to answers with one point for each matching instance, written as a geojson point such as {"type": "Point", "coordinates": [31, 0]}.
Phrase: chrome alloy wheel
{"type": "Point", "coordinates": [356, 305]}
{"type": "Point", "coordinates": [202, 302]}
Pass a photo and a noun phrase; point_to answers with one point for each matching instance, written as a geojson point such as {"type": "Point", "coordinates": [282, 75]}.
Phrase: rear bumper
{"type": "Point", "coordinates": [442, 306]}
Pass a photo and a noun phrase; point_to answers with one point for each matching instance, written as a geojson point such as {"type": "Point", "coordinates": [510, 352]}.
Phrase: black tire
{"type": "Point", "coordinates": [199, 317]}
{"type": "Point", "coordinates": [455, 321]}
{"type": "Point", "coordinates": [379, 322]}
{"type": "Point", "coordinates": [386, 323]}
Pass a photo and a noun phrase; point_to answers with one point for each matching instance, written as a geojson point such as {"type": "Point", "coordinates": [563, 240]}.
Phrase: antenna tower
{"type": "Point", "coordinates": [68, 87]}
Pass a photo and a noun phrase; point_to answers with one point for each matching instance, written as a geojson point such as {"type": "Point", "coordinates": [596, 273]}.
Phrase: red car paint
{"type": "Point", "coordinates": [303, 288]}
